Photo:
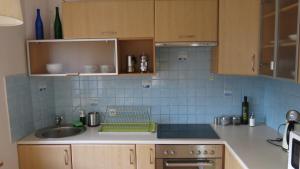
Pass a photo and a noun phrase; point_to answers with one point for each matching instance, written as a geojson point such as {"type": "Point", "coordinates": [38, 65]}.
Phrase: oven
{"type": "Point", "coordinates": [294, 151]}
{"type": "Point", "coordinates": [189, 156]}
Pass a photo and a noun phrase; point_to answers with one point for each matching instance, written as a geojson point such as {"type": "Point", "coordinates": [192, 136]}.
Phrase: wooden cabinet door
{"type": "Point", "coordinates": [44, 157]}
{"type": "Point", "coordinates": [239, 32]}
{"type": "Point", "coordinates": [108, 19]}
{"type": "Point", "coordinates": [231, 162]}
{"type": "Point", "coordinates": [145, 156]}
{"type": "Point", "coordinates": [103, 156]}
{"type": "Point", "coordinates": [186, 20]}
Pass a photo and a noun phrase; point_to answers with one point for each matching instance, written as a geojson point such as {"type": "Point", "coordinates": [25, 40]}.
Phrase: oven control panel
{"type": "Point", "coordinates": [189, 151]}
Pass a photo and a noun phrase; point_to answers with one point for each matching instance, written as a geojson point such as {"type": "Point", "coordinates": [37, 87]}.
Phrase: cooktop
{"type": "Point", "coordinates": [202, 131]}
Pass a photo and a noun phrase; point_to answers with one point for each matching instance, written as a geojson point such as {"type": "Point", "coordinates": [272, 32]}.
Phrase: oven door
{"type": "Point", "coordinates": [189, 164]}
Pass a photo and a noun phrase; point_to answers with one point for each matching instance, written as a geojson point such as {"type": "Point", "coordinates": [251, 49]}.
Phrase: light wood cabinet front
{"type": "Point", "coordinates": [186, 20]}
{"type": "Point", "coordinates": [108, 19]}
{"type": "Point", "coordinates": [104, 156]}
{"type": "Point", "coordinates": [145, 156]}
{"type": "Point", "coordinates": [231, 162]}
{"type": "Point", "coordinates": [44, 157]}
{"type": "Point", "coordinates": [238, 50]}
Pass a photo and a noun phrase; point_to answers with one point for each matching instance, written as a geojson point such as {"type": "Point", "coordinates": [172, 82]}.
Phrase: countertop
{"type": "Point", "coordinates": [248, 144]}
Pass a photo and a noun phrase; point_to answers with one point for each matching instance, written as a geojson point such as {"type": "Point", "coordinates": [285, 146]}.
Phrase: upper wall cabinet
{"type": "Point", "coordinates": [186, 20]}
{"type": "Point", "coordinates": [108, 19]}
{"type": "Point", "coordinates": [239, 36]}
{"type": "Point", "coordinates": [280, 36]}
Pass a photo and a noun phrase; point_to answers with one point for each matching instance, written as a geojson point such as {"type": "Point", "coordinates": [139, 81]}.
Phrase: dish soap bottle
{"type": "Point", "coordinates": [57, 26]}
{"type": "Point", "coordinates": [245, 111]}
{"type": "Point", "coordinates": [82, 117]}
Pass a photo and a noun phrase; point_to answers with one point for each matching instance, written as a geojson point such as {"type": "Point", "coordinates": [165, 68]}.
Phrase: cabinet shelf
{"type": "Point", "coordinates": [284, 9]}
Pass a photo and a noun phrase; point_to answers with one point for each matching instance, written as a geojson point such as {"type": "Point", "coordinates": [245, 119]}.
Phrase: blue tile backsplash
{"type": "Point", "coordinates": [182, 91]}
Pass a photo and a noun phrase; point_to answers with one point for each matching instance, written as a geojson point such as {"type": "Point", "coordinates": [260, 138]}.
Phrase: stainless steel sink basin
{"type": "Point", "coordinates": [59, 131]}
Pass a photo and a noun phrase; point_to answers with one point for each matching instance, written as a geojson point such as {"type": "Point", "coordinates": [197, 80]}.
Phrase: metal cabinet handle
{"type": "Point", "coordinates": [132, 157]}
{"type": "Point", "coordinates": [1, 163]}
{"type": "Point", "coordinates": [190, 164]}
{"type": "Point", "coordinates": [151, 156]}
{"type": "Point", "coordinates": [253, 63]}
{"type": "Point", "coordinates": [66, 157]}
{"type": "Point", "coordinates": [186, 36]}
{"type": "Point", "coordinates": [109, 33]}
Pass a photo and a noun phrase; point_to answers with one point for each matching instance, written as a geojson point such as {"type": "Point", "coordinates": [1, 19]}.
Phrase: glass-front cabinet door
{"type": "Point", "coordinates": [279, 45]}
{"type": "Point", "coordinates": [287, 39]}
{"type": "Point", "coordinates": [268, 37]}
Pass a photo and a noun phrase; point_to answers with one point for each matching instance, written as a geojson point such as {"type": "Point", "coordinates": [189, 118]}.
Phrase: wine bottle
{"type": "Point", "coordinates": [57, 26]}
{"type": "Point", "coordinates": [245, 111]}
{"type": "Point", "coordinates": [39, 28]}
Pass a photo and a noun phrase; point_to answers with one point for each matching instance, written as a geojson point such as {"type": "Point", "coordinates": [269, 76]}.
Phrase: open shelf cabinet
{"type": "Point", "coordinates": [87, 57]}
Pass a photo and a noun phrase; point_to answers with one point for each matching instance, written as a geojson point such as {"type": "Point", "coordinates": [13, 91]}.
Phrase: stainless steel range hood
{"type": "Point", "coordinates": [187, 44]}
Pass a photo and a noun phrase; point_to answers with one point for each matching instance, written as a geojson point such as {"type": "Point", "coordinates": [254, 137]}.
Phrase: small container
{"type": "Point", "coordinates": [252, 120]}
{"type": "Point", "coordinates": [93, 119]}
{"type": "Point", "coordinates": [144, 64]}
{"type": "Point", "coordinates": [82, 117]}
{"type": "Point", "coordinates": [131, 64]}
{"type": "Point", "coordinates": [236, 120]}
{"type": "Point", "coordinates": [225, 120]}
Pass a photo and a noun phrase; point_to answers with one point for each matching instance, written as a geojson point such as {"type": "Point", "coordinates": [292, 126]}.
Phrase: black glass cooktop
{"type": "Point", "coordinates": [202, 131]}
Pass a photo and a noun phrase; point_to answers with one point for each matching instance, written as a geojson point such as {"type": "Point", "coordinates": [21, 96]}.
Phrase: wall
{"type": "Point", "coordinates": [12, 56]}
{"type": "Point", "coordinates": [280, 96]}
{"type": "Point", "coordinates": [182, 91]}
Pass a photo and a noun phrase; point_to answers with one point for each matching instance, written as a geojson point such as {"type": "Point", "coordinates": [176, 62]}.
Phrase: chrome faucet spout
{"type": "Point", "coordinates": [58, 120]}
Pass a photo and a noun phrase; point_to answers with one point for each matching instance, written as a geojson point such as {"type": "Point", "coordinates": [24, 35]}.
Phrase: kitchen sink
{"type": "Point", "coordinates": [59, 131]}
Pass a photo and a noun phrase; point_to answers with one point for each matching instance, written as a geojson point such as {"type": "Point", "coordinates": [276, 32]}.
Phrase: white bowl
{"type": "Point", "coordinates": [293, 37]}
{"type": "Point", "coordinates": [54, 68]}
{"type": "Point", "coordinates": [90, 69]}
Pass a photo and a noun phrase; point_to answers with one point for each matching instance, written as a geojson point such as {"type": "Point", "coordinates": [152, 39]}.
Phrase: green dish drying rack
{"type": "Point", "coordinates": [128, 119]}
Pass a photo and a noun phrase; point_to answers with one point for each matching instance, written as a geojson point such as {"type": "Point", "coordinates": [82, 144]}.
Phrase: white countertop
{"type": "Point", "coordinates": [247, 144]}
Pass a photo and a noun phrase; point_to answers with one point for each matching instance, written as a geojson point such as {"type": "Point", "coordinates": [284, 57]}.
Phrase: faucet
{"type": "Point", "coordinates": [58, 120]}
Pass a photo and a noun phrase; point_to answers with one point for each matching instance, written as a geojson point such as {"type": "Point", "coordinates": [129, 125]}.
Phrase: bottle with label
{"type": "Point", "coordinates": [245, 111]}
{"type": "Point", "coordinates": [82, 117]}
{"type": "Point", "coordinates": [252, 120]}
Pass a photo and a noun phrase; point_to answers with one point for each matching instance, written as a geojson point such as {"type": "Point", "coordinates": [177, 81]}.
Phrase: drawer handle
{"type": "Point", "coordinates": [132, 157]}
{"type": "Point", "coordinates": [66, 157]}
{"type": "Point", "coordinates": [151, 156]}
{"type": "Point", "coordinates": [253, 63]}
{"type": "Point", "coordinates": [109, 33]}
{"type": "Point", "coordinates": [186, 36]}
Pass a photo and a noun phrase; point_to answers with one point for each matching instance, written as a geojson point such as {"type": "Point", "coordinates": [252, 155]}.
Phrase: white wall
{"type": "Point", "coordinates": [12, 56]}
{"type": "Point", "coordinates": [13, 61]}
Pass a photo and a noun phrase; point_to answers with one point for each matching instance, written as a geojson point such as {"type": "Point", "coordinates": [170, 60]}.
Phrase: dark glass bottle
{"type": "Point", "coordinates": [245, 111]}
{"type": "Point", "coordinates": [39, 28]}
{"type": "Point", "coordinates": [57, 26]}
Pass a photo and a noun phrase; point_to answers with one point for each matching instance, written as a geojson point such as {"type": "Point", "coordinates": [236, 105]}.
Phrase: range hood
{"type": "Point", "coordinates": [186, 44]}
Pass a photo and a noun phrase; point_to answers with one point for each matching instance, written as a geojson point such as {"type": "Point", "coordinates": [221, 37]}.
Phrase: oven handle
{"type": "Point", "coordinates": [190, 164]}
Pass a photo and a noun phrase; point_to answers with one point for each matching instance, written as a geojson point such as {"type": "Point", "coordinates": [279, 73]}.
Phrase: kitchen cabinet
{"type": "Point", "coordinates": [108, 19]}
{"type": "Point", "coordinates": [186, 20]}
{"type": "Point", "coordinates": [44, 157]}
{"type": "Point", "coordinates": [239, 37]}
{"type": "Point", "coordinates": [104, 156]}
{"type": "Point", "coordinates": [72, 57]}
{"type": "Point", "coordinates": [231, 162]}
{"type": "Point", "coordinates": [145, 156]}
{"type": "Point", "coordinates": [280, 34]}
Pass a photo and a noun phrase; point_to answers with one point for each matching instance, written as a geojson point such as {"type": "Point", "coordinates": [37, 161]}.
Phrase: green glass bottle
{"type": "Point", "coordinates": [57, 26]}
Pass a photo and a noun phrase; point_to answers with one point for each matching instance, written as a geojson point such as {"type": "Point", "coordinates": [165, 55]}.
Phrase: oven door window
{"type": "Point", "coordinates": [189, 164]}
{"type": "Point", "coordinates": [295, 153]}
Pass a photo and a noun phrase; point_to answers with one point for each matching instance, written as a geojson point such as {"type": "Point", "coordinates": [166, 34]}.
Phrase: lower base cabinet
{"type": "Point", "coordinates": [44, 157]}
{"type": "Point", "coordinates": [103, 156]}
{"type": "Point", "coordinates": [231, 162]}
